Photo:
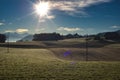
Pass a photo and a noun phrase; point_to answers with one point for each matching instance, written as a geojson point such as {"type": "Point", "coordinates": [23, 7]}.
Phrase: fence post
{"type": "Point", "coordinates": [8, 43]}
{"type": "Point", "coordinates": [86, 47]}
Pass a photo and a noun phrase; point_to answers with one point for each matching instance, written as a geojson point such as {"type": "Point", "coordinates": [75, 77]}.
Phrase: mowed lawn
{"type": "Point", "coordinates": [43, 64]}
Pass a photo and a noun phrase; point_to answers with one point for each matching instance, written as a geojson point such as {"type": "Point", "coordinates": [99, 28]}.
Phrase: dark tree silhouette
{"type": "Point", "coordinates": [108, 36]}
{"type": "Point", "coordinates": [69, 36]}
{"type": "Point", "coordinates": [112, 36]}
{"type": "Point", "coordinates": [54, 36]}
{"type": "Point", "coordinates": [2, 38]}
{"type": "Point", "coordinates": [97, 37]}
{"type": "Point", "coordinates": [77, 35]}
{"type": "Point", "coordinates": [100, 36]}
{"type": "Point", "coordinates": [47, 37]}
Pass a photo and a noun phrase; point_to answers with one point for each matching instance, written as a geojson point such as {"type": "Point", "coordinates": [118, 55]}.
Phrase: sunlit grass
{"type": "Point", "coordinates": [41, 64]}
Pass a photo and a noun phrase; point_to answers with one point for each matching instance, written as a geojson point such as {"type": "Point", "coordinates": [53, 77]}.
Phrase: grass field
{"type": "Point", "coordinates": [42, 64]}
{"type": "Point", "coordinates": [50, 64]}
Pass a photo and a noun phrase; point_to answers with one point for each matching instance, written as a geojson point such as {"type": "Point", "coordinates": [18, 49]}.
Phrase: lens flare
{"type": "Point", "coordinates": [42, 8]}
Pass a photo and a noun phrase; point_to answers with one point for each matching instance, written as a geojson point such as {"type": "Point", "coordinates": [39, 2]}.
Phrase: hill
{"type": "Point", "coordinates": [26, 38]}
{"type": "Point", "coordinates": [46, 60]}
{"type": "Point", "coordinates": [14, 36]}
{"type": "Point", "coordinates": [114, 36]}
{"type": "Point", "coordinates": [97, 50]}
{"type": "Point", "coordinates": [42, 64]}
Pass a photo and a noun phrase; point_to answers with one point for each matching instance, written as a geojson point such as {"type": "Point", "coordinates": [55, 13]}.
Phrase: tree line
{"type": "Point", "coordinates": [47, 37]}
{"type": "Point", "coordinates": [108, 36]}
{"type": "Point", "coordinates": [2, 38]}
{"type": "Point", "coordinates": [56, 36]}
{"type": "Point", "coordinates": [53, 36]}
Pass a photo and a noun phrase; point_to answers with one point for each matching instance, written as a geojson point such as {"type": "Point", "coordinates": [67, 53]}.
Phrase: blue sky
{"type": "Point", "coordinates": [65, 16]}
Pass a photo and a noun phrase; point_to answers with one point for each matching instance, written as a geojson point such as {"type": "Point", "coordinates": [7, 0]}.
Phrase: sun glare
{"type": "Point", "coordinates": [42, 8]}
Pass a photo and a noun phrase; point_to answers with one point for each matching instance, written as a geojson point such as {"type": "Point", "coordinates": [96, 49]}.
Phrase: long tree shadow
{"type": "Point", "coordinates": [58, 44]}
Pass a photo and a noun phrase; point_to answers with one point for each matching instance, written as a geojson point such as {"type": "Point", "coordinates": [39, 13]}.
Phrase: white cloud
{"type": "Point", "coordinates": [1, 24]}
{"type": "Point", "coordinates": [9, 31]}
{"type": "Point", "coordinates": [50, 17]}
{"type": "Point", "coordinates": [22, 30]}
{"type": "Point", "coordinates": [74, 6]}
{"type": "Point", "coordinates": [68, 29]}
{"type": "Point", "coordinates": [115, 27]}
{"type": "Point", "coordinates": [18, 30]}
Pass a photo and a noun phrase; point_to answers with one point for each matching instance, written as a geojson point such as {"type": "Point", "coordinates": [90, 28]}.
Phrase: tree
{"type": "Point", "coordinates": [97, 37]}
{"type": "Point", "coordinates": [47, 37]}
{"type": "Point", "coordinates": [100, 36]}
{"type": "Point", "coordinates": [2, 38]}
{"type": "Point", "coordinates": [112, 36]}
{"type": "Point", "coordinates": [68, 36]}
{"type": "Point", "coordinates": [77, 35]}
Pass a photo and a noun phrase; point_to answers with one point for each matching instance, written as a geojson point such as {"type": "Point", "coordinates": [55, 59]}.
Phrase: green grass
{"type": "Point", "coordinates": [42, 64]}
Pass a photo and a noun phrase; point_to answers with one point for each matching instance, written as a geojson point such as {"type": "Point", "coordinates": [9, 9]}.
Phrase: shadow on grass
{"type": "Point", "coordinates": [58, 44]}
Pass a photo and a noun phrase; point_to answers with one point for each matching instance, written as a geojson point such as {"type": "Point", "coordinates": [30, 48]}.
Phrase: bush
{"type": "Point", "coordinates": [2, 38]}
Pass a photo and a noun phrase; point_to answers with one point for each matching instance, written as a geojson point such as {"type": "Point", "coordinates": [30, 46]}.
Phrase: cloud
{"type": "Point", "coordinates": [50, 17]}
{"type": "Point", "coordinates": [74, 6]}
{"type": "Point", "coordinates": [1, 24]}
{"type": "Point", "coordinates": [68, 29]}
{"type": "Point", "coordinates": [9, 31]}
{"type": "Point", "coordinates": [115, 27]}
{"type": "Point", "coordinates": [18, 30]}
{"type": "Point", "coordinates": [22, 30]}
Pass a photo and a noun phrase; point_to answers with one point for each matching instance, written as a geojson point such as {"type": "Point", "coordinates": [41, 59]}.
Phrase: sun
{"type": "Point", "coordinates": [42, 8]}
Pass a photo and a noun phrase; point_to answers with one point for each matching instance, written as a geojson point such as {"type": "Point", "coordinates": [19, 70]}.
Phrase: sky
{"type": "Point", "coordinates": [64, 16]}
